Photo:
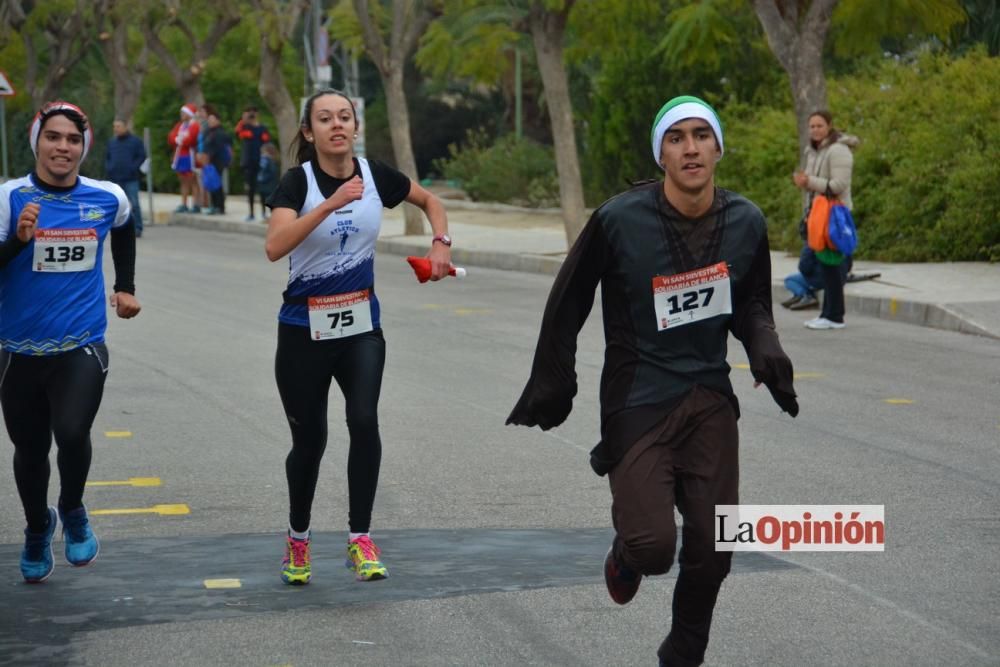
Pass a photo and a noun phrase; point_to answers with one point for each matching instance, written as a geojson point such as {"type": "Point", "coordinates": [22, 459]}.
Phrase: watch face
{"type": "Point", "coordinates": [443, 238]}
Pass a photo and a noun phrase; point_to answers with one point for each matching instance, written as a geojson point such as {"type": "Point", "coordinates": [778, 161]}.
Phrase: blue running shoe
{"type": "Point", "coordinates": [36, 558]}
{"type": "Point", "coordinates": [81, 543]}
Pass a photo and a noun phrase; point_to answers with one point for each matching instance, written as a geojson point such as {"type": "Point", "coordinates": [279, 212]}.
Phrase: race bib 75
{"type": "Point", "coordinates": [340, 315]}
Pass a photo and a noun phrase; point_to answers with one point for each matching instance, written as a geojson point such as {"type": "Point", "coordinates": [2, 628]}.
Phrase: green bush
{"type": "Point", "coordinates": [927, 171]}
{"type": "Point", "coordinates": [761, 154]}
{"type": "Point", "coordinates": [925, 181]}
{"type": "Point", "coordinates": [509, 170]}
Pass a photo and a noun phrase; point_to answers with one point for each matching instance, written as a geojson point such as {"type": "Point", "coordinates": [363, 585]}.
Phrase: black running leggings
{"type": "Point", "coordinates": [303, 369]}
{"type": "Point", "coordinates": [50, 395]}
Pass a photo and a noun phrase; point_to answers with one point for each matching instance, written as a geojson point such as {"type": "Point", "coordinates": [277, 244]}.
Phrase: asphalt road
{"type": "Point", "coordinates": [495, 535]}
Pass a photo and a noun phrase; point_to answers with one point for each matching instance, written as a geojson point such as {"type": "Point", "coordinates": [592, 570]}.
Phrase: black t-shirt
{"type": "Point", "coordinates": [393, 186]}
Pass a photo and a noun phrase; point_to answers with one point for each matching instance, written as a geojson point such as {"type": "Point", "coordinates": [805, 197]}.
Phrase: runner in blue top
{"type": "Point", "coordinates": [53, 363]}
{"type": "Point", "coordinates": [326, 216]}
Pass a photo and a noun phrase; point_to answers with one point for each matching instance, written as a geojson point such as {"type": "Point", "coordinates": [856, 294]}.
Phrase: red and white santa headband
{"type": "Point", "coordinates": [47, 112]}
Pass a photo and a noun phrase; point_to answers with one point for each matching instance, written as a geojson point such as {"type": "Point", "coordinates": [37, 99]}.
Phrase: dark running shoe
{"type": "Point", "coordinates": [37, 562]}
{"type": "Point", "coordinates": [805, 303]}
{"type": "Point", "coordinates": [621, 581]}
{"type": "Point", "coordinates": [791, 301]}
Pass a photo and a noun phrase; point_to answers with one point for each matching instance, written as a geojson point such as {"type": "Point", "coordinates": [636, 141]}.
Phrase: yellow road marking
{"type": "Point", "coordinates": [118, 434]}
{"type": "Point", "coordinates": [162, 510]}
{"type": "Point", "coordinates": [223, 583]}
{"type": "Point", "coordinates": [472, 311]}
{"type": "Point", "coordinates": [897, 401]}
{"type": "Point", "coordinates": [131, 481]}
{"type": "Point", "coordinates": [797, 376]}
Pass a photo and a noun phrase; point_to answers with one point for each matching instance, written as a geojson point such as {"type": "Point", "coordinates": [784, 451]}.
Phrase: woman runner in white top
{"type": "Point", "coordinates": [326, 215]}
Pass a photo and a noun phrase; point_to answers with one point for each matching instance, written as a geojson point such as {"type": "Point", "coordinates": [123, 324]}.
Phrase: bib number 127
{"type": "Point", "coordinates": [677, 303]}
{"type": "Point", "coordinates": [693, 296]}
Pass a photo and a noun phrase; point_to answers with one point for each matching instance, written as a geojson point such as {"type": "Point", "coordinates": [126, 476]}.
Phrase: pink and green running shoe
{"type": "Point", "coordinates": [362, 557]}
{"type": "Point", "coordinates": [296, 568]}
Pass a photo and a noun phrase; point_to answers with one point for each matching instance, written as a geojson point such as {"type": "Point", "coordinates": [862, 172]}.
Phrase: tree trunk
{"type": "Point", "coordinates": [127, 78]}
{"type": "Point", "coordinates": [187, 77]}
{"type": "Point", "coordinates": [402, 144]}
{"type": "Point", "coordinates": [68, 37]}
{"type": "Point", "coordinates": [798, 46]}
{"type": "Point", "coordinates": [409, 21]}
{"type": "Point", "coordinates": [275, 94]}
{"type": "Point", "coordinates": [547, 31]}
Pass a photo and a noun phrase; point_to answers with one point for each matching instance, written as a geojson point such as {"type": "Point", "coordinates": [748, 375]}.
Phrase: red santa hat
{"type": "Point", "coordinates": [189, 109]}
{"type": "Point", "coordinates": [47, 111]}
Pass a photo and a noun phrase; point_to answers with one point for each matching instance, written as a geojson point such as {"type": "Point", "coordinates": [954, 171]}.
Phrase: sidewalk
{"type": "Point", "coordinates": [957, 296]}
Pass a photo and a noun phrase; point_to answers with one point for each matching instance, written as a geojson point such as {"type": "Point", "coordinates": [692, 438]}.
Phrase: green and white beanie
{"type": "Point", "coordinates": [678, 109]}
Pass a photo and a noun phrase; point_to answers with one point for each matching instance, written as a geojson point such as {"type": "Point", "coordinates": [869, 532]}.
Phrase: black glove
{"type": "Point", "coordinates": [773, 368]}
{"type": "Point", "coordinates": [544, 413]}
{"type": "Point", "coordinates": [785, 400]}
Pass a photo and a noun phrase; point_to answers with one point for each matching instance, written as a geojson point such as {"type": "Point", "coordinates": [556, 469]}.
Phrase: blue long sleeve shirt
{"type": "Point", "coordinates": [123, 157]}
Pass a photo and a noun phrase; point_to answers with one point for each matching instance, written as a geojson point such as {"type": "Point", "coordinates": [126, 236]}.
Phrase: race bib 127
{"type": "Point", "coordinates": [689, 297]}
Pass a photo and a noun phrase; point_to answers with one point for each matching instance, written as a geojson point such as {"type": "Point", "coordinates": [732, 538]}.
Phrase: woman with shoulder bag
{"type": "Point", "coordinates": [828, 167]}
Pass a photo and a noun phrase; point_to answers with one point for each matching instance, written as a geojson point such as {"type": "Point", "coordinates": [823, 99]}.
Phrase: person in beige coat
{"type": "Point", "coordinates": [828, 167]}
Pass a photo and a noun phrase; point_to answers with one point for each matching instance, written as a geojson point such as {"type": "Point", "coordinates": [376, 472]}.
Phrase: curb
{"type": "Point", "coordinates": [935, 316]}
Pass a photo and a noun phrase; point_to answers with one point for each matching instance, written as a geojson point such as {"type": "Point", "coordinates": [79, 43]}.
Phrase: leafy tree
{"type": "Point", "coordinates": [202, 30]}
{"type": "Point", "coordinates": [638, 55]}
{"type": "Point", "coordinates": [277, 20]}
{"type": "Point", "coordinates": [983, 26]}
{"type": "Point", "coordinates": [477, 45]}
{"type": "Point", "coordinates": [56, 36]}
{"type": "Point", "coordinates": [797, 31]}
{"type": "Point", "coordinates": [492, 27]}
{"type": "Point", "coordinates": [229, 81]}
{"type": "Point", "coordinates": [126, 53]}
{"type": "Point", "coordinates": [389, 39]}
{"type": "Point", "coordinates": [924, 181]}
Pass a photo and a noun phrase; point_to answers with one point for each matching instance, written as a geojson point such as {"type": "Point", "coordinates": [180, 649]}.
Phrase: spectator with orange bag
{"type": "Point", "coordinates": [828, 167]}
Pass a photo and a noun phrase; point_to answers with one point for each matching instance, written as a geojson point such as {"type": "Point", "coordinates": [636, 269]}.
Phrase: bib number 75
{"type": "Point", "coordinates": [342, 318]}
{"type": "Point", "coordinates": [340, 315]}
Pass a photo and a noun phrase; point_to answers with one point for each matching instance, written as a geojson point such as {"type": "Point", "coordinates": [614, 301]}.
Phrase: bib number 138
{"type": "Point", "coordinates": [693, 296]}
{"type": "Point", "coordinates": [64, 250]}
{"type": "Point", "coordinates": [340, 315]}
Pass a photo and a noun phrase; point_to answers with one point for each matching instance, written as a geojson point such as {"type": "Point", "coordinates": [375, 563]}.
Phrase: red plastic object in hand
{"type": "Point", "coordinates": [422, 267]}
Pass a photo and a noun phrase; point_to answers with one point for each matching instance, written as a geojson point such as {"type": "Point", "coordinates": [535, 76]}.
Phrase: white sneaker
{"type": "Point", "coordinates": [823, 323]}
